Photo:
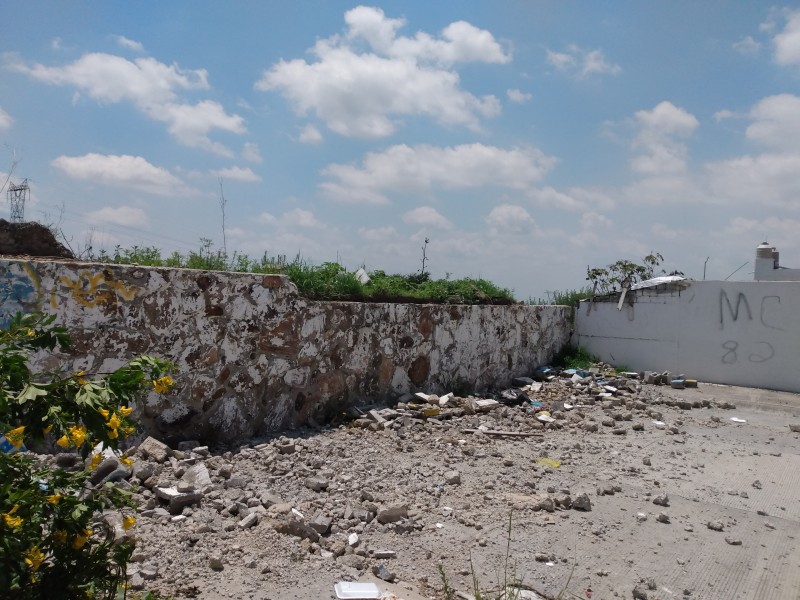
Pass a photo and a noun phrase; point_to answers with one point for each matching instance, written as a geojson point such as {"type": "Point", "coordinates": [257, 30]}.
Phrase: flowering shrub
{"type": "Point", "coordinates": [52, 542]}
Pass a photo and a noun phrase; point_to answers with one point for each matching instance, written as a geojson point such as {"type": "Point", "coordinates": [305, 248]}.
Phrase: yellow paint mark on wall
{"type": "Point", "coordinates": [93, 289]}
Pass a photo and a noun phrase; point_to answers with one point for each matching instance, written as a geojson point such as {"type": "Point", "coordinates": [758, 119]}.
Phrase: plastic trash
{"type": "Point", "coordinates": [548, 462]}
{"type": "Point", "coordinates": [738, 420]}
{"type": "Point", "coordinates": [356, 590]}
{"type": "Point", "coordinates": [660, 424]}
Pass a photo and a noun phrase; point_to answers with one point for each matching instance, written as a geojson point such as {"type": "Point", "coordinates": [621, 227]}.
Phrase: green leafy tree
{"type": "Point", "coordinates": [623, 273]}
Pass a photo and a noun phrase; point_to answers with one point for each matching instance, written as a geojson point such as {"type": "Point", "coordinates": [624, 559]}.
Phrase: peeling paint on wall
{"type": "Point", "coordinates": [253, 356]}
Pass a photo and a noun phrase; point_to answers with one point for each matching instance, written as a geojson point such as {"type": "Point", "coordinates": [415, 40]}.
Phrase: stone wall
{"type": "Point", "coordinates": [253, 356]}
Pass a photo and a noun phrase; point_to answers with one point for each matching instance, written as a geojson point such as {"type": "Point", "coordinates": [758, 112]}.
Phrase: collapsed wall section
{"type": "Point", "coordinates": [253, 356]}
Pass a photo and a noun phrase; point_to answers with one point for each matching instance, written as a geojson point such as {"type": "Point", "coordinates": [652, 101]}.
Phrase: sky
{"type": "Point", "coordinates": [524, 139]}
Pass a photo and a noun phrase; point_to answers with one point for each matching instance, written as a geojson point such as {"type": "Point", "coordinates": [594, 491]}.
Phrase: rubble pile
{"type": "Point", "coordinates": [398, 490]}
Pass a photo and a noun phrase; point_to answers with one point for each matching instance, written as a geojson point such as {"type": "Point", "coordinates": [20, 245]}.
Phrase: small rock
{"type": "Point", "coordinates": [733, 541]}
{"type": "Point", "coordinates": [662, 517]}
{"type": "Point", "coordinates": [381, 572]}
{"type": "Point", "coordinates": [715, 525]}
{"type": "Point", "coordinates": [661, 500]}
{"type": "Point", "coordinates": [392, 514]}
{"type": "Point", "coordinates": [452, 478]}
{"type": "Point", "coordinates": [582, 502]}
{"type": "Point", "coordinates": [215, 562]}
{"type": "Point", "coordinates": [757, 484]}
{"type": "Point", "coordinates": [317, 484]}
{"type": "Point", "coordinates": [646, 461]}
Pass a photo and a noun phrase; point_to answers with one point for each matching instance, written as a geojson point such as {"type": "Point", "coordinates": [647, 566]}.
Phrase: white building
{"type": "Point", "coordinates": [768, 267]}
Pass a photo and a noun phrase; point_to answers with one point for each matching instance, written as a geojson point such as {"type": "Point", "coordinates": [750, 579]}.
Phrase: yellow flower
{"type": "Point", "coordinates": [34, 557]}
{"type": "Point", "coordinates": [47, 429]}
{"type": "Point", "coordinates": [12, 521]}
{"type": "Point", "coordinates": [126, 461]}
{"type": "Point", "coordinates": [104, 412]}
{"type": "Point", "coordinates": [114, 421]}
{"type": "Point", "coordinates": [79, 376]}
{"type": "Point", "coordinates": [163, 384]}
{"type": "Point", "coordinates": [96, 458]}
{"type": "Point", "coordinates": [54, 498]}
{"type": "Point", "coordinates": [15, 436]}
{"type": "Point", "coordinates": [126, 431]}
{"type": "Point", "coordinates": [63, 441]}
{"type": "Point", "coordinates": [60, 536]}
{"type": "Point", "coordinates": [125, 411]}
{"type": "Point", "coordinates": [128, 522]}
{"type": "Point", "coordinates": [113, 434]}
{"type": "Point", "coordinates": [77, 435]}
{"type": "Point", "coordinates": [30, 332]}
{"type": "Point", "coordinates": [81, 539]}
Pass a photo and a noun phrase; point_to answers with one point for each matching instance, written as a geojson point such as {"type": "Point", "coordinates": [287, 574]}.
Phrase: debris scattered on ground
{"type": "Point", "coordinates": [432, 480]}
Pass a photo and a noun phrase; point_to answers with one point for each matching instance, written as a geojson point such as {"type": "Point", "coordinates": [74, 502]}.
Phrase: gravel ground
{"type": "Point", "coordinates": [601, 503]}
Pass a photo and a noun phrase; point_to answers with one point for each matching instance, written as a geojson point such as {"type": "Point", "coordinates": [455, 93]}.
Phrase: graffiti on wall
{"type": "Point", "coordinates": [92, 290]}
{"type": "Point", "coordinates": [764, 313]}
{"type": "Point", "coordinates": [19, 292]}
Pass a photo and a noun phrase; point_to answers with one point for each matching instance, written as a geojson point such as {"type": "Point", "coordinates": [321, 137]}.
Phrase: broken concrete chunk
{"type": "Point", "coordinates": [177, 500]}
{"type": "Point", "coordinates": [321, 524]}
{"type": "Point", "coordinates": [155, 450]}
{"type": "Point", "coordinates": [392, 514]}
{"type": "Point", "coordinates": [297, 529]}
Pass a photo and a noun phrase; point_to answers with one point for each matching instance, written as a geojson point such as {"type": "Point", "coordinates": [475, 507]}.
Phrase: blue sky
{"type": "Point", "coordinates": [525, 139]}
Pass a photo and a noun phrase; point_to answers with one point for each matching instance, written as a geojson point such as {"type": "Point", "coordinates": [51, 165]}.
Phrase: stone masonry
{"type": "Point", "coordinates": [253, 356]}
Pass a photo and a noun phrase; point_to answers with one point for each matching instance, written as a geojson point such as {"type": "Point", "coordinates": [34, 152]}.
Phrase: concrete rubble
{"type": "Point", "coordinates": [446, 480]}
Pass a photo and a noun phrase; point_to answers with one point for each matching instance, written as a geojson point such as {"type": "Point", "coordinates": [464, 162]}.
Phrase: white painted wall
{"type": "Point", "coordinates": [738, 333]}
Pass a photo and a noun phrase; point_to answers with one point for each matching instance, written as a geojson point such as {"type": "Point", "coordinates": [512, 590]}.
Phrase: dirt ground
{"type": "Point", "coordinates": [462, 490]}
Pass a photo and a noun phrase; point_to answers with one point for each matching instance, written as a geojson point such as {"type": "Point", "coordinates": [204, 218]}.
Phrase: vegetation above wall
{"type": "Point", "coordinates": [328, 281]}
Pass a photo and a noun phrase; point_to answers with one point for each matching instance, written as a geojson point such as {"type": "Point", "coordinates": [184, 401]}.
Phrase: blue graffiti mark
{"type": "Point", "coordinates": [17, 293]}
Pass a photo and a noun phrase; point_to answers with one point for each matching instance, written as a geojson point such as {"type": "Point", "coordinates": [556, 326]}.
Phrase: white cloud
{"type": "Point", "coordinates": [460, 41]}
{"type": "Point", "coordinates": [5, 119]}
{"type": "Point", "coordinates": [236, 174]}
{"type": "Point", "coordinates": [723, 114]}
{"type": "Point", "coordinates": [251, 153]}
{"type": "Point", "coordinates": [152, 87]}
{"type": "Point", "coordinates": [657, 138]}
{"type": "Point", "coordinates": [378, 234]}
{"type": "Point", "coordinates": [561, 60]}
{"type": "Point", "coordinates": [582, 63]}
{"type": "Point", "coordinates": [776, 122]}
{"type": "Point", "coordinates": [128, 43]}
{"type": "Point", "coordinates": [518, 96]}
{"type": "Point", "coordinates": [421, 168]}
{"type": "Point", "coordinates": [398, 76]}
{"type": "Point", "coordinates": [573, 199]}
{"type": "Point", "coordinates": [510, 218]}
{"type": "Point", "coordinates": [310, 135]}
{"type": "Point", "coordinates": [787, 42]}
{"type": "Point", "coordinates": [123, 171]}
{"type": "Point", "coordinates": [427, 216]}
{"type": "Point", "coordinates": [299, 217]}
{"type": "Point", "coordinates": [126, 216]}
{"type": "Point", "coordinates": [747, 46]}
{"type": "Point", "coordinates": [266, 218]}
{"type": "Point", "coordinates": [765, 179]}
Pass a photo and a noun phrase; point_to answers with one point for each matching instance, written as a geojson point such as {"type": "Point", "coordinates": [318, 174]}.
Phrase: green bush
{"type": "Point", "coordinates": [53, 543]}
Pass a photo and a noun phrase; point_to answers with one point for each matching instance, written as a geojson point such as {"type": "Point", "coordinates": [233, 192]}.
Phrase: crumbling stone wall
{"type": "Point", "coordinates": [254, 356]}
